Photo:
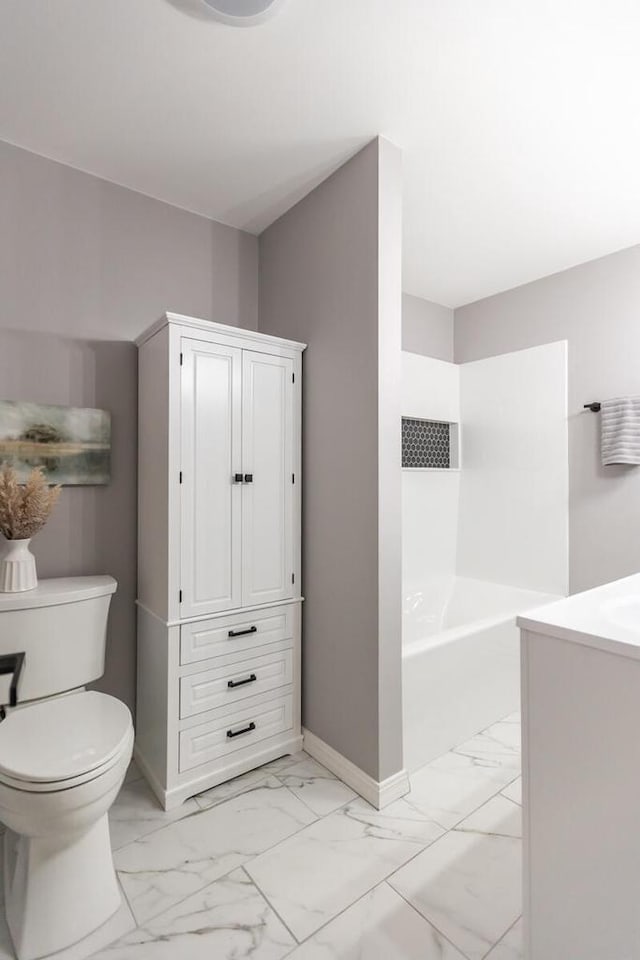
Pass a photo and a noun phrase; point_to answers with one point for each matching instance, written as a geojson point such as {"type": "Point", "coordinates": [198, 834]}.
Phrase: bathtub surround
{"type": "Point", "coordinates": [513, 486]}
{"type": "Point", "coordinates": [85, 266]}
{"type": "Point", "coordinates": [430, 499]}
{"type": "Point", "coordinates": [481, 544]}
{"type": "Point", "coordinates": [430, 388]}
{"type": "Point", "coordinates": [330, 276]}
{"type": "Point", "coordinates": [513, 524]}
{"type": "Point", "coordinates": [594, 306]}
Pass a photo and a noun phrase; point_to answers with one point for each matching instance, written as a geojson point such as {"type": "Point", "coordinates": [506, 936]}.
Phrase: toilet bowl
{"type": "Point", "coordinates": [64, 753]}
{"type": "Point", "coordinates": [62, 763]}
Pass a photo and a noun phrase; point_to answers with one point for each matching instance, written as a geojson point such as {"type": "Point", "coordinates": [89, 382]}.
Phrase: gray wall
{"type": "Point", "coordinates": [427, 328]}
{"type": "Point", "coordinates": [84, 267]}
{"type": "Point", "coordinates": [596, 307]}
{"type": "Point", "coordinates": [320, 283]}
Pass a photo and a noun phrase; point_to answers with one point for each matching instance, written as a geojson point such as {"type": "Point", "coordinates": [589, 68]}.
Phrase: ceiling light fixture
{"type": "Point", "coordinates": [243, 13]}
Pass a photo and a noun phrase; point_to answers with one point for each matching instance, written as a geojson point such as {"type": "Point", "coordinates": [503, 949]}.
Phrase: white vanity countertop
{"type": "Point", "coordinates": [606, 618]}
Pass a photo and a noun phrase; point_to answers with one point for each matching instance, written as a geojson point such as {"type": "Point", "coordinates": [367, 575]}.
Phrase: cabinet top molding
{"type": "Point", "coordinates": [208, 326]}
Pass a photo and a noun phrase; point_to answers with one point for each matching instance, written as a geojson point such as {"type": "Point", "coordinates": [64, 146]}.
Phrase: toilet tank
{"type": "Point", "coordinates": [61, 627]}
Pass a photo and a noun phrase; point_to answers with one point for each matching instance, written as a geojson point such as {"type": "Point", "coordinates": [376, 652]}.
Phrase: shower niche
{"type": "Point", "coordinates": [430, 444]}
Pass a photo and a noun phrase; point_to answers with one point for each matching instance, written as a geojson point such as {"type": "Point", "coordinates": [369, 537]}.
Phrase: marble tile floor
{"type": "Point", "coordinates": [287, 861]}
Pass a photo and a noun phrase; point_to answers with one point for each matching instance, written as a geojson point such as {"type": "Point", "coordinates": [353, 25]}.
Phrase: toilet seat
{"type": "Point", "coordinates": [61, 743]}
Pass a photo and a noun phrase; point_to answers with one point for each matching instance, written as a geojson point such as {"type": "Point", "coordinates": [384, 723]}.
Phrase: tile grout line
{"type": "Point", "coordinates": [322, 816]}
{"type": "Point", "coordinates": [455, 826]}
{"type": "Point", "coordinates": [255, 883]}
{"type": "Point", "coordinates": [454, 829]}
{"type": "Point", "coordinates": [284, 923]}
{"type": "Point", "coordinates": [232, 796]}
{"type": "Point", "coordinates": [279, 777]}
{"type": "Point", "coordinates": [347, 907]}
{"type": "Point", "coordinates": [479, 734]}
{"type": "Point", "coordinates": [498, 942]}
{"type": "Point", "coordinates": [387, 878]}
{"type": "Point", "coordinates": [384, 879]}
{"type": "Point", "coordinates": [238, 866]}
{"type": "Point", "coordinates": [193, 893]}
{"type": "Point", "coordinates": [429, 921]}
{"type": "Point", "coordinates": [362, 897]}
{"type": "Point", "coordinates": [143, 836]}
{"type": "Point", "coordinates": [112, 943]}
{"type": "Point", "coordinates": [260, 891]}
{"type": "Point", "coordinates": [161, 825]}
{"type": "Point", "coordinates": [126, 899]}
{"type": "Point", "coordinates": [511, 782]}
{"type": "Point", "coordinates": [317, 818]}
{"type": "Point", "coordinates": [326, 922]}
{"type": "Point", "coordinates": [199, 809]}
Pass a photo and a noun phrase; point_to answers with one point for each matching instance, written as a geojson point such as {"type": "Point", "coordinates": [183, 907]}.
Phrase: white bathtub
{"type": "Point", "coordinates": [461, 662]}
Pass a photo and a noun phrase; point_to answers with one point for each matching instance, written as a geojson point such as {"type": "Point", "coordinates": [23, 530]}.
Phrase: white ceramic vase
{"type": "Point", "coordinates": [17, 567]}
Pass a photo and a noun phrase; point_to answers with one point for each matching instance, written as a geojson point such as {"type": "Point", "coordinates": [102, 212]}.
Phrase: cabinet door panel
{"type": "Point", "coordinates": [267, 456]}
{"type": "Point", "coordinates": [211, 571]}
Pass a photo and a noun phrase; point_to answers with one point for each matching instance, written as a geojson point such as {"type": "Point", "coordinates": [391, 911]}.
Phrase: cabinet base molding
{"type": "Point", "coordinates": [171, 798]}
{"type": "Point", "coordinates": [379, 793]}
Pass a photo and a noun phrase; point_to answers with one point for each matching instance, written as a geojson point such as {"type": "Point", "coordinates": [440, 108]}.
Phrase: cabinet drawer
{"type": "Point", "coordinates": [248, 724]}
{"type": "Point", "coordinates": [239, 631]}
{"type": "Point", "coordinates": [224, 685]}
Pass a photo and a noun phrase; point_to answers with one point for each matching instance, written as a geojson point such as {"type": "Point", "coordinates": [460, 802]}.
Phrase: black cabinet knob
{"type": "Point", "coordinates": [248, 478]}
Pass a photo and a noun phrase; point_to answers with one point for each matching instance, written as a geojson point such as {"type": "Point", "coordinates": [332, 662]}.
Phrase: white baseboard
{"type": "Point", "coordinates": [379, 793]}
{"type": "Point", "coordinates": [146, 771]}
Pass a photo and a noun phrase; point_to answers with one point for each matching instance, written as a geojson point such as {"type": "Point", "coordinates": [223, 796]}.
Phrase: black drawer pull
{"type": "Point", "coordinates": [238, 733]}
{"type": "Point", "coordinates": [241, 683]}
{"type": "Point", "coordinates": [242, 633]}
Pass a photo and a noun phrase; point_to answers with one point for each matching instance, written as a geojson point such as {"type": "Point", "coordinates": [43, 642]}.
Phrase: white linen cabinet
{"type": "Point", "coordinates": [219, 480]}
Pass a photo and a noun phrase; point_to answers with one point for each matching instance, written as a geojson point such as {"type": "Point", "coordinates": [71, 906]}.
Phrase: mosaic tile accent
{"type": "Point", "coordinates": [426, 443]}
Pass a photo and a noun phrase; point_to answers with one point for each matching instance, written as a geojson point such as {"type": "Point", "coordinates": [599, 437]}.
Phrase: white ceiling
{"type": "Point", "coordinates": [519, 119]}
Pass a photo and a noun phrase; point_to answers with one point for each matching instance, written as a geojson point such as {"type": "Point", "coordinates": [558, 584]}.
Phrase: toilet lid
{"type": "Point", "coordinates": [63, 738]}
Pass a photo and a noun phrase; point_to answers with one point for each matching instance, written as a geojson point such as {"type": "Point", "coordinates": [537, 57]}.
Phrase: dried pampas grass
{"type": "Point", "coordinates": [24, 509]}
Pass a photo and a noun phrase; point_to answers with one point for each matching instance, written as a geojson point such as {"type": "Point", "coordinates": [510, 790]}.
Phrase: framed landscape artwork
{"type": "Point", "coordinates": [71, 444]}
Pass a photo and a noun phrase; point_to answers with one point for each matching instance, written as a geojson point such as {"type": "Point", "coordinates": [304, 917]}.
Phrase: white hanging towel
{"type": "Point", "coordinates": [620, 431]}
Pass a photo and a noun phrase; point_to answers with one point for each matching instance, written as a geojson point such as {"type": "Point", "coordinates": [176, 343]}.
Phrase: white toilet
{"type": "Point", "coordinates": [64, 753]}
